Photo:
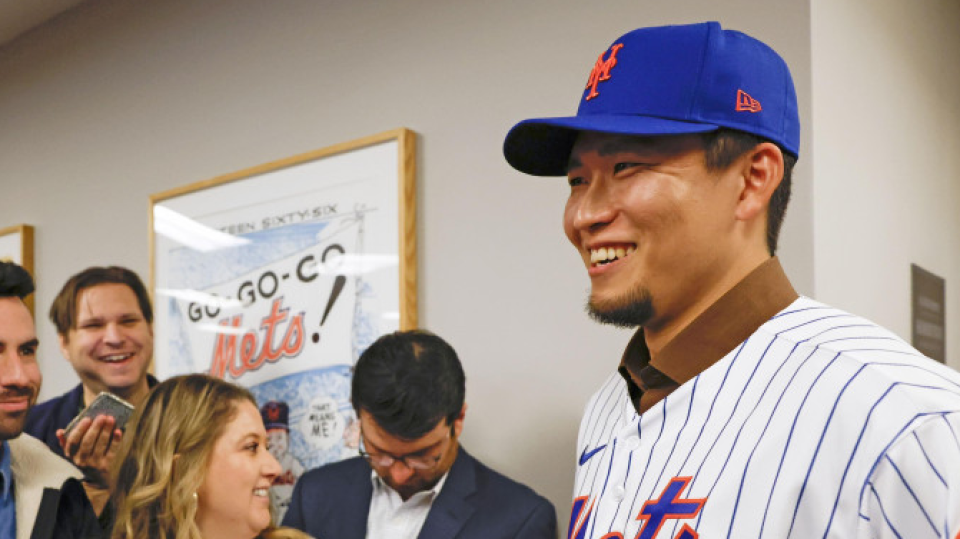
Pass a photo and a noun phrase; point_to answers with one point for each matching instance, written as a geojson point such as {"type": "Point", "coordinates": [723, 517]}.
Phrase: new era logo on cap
{"type": "Point", "coordinates": [669, 80]}
{"type": "Point", "coordinates": [747, 103]}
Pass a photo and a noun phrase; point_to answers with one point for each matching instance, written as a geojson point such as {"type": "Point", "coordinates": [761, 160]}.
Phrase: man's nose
{"type": "Point", "coordinates": [595, 207]}
{"type": "Point", "coordinates": [12, 372]}
{"type": "Point", "coordinates": [113, 333]}
{"type": "Point", "coordinates": [400, 472]}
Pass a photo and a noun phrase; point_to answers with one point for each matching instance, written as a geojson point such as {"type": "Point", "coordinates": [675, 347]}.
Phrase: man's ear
{"type": "Point", "coordinates": [762, 172]}
{"type": "Point", "coordinates": [458, 422]}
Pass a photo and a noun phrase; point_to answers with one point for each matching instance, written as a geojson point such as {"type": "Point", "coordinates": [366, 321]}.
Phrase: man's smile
{"type": "Point", "coordinates": [606, 254]}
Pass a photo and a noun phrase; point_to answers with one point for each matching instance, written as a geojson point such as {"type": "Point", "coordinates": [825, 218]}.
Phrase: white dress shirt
{"type": "Point", "coordinates": [391, 517]}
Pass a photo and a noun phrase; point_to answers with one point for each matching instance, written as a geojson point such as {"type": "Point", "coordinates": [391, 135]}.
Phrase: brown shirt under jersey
{"type": "Point", "coordinates": [712, 335]}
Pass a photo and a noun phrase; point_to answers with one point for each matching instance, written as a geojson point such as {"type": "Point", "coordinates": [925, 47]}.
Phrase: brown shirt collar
{"type": "Point", "coordinates": [735, 316]}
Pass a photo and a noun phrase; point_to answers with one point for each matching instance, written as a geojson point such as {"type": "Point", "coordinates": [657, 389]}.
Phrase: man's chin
{"type": "Point", "coordinates": [622, 312]}
{"type": "Point", "coordinates": [10, 428]}
{"type": "Point", "coordinates": [407, 491]}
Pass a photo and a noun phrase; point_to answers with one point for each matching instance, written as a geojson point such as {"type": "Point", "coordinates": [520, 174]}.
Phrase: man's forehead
{"type": "Point", "coordinates": [16, 317]}
{"type": "Point", "coordinates": [606, 144]}
{"type": "Point", "coordinates": [85, 298]}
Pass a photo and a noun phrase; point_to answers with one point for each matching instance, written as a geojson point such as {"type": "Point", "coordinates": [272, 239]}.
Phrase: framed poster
{"type": "Point", "coordinates": [277, 278]}
{"type": "Point", "coordinates": [16, 245]}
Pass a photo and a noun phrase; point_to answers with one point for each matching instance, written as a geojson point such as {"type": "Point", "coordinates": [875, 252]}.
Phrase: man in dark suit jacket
{"type": "Point", "coordinates": [408, 392]}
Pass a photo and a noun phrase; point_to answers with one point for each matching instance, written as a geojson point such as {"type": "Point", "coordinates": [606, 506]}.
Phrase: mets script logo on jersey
{"type": "Point", "coordinates": [654, 513]}
{"type": "Point", "coordinates": [601, 70]}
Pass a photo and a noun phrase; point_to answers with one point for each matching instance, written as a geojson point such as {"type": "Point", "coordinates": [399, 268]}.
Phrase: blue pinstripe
{"type": "Point", "coordinates": [773, 412]}
{"type": "Point", "coordinates": [613, 453]}
{"type": "Point", "coordinates": [793, 427]}
{"type": "Point", "coordinates": [742, 425]}
{"type": "Point", "coordinates": [930, 462]}
{"type": "Point", "coordinates": [884, 513]}
{"type": "Point", "coordinates": [912, 493]}
{"type": "Point", "coordinates": [860, 437]}
{"type": "Point", "coordinates": [673, 447]}
{"type": "Point", "coordinates": [663, 423]}
{"type": "Point", "coordinates": [713, 403]}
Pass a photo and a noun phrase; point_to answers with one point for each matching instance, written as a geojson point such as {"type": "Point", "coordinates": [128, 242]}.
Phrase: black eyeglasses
{"type": "Point", "coordinates": [414, 462]}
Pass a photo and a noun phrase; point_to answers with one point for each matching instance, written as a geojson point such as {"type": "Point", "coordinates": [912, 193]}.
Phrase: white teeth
{"type": "Point", "coordinates": [261, 492]}
{"type": "Point", "coordinates": [609, 254]}
{"type": "Point", "coordinates": [116, 358]}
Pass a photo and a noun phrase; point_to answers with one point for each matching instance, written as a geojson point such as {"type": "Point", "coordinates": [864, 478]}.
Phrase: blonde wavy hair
{"type": "Point", "coordinates": [164, 456]}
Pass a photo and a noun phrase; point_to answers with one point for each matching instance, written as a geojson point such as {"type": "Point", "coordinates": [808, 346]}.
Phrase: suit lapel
{"type": "Point", "coordinates": [451, 509]}
{"type": "Point", "coordinates": [355, 505]}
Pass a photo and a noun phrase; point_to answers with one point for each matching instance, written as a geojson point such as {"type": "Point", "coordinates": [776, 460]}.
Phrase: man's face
{"type": "Point", "coordinates": [440, 442]}
{"type": "Point", "coordinates": [19, 373]}
{"type": "Point", "coordinates": [650, 222]}
{"type": "Point", "coordinates": [277, 442]}
{"type": "Point", "coordinates": [112, 343]}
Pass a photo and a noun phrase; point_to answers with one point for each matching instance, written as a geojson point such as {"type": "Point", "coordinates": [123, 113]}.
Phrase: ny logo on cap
{"type": "Point", "coordinates": [601, 70]}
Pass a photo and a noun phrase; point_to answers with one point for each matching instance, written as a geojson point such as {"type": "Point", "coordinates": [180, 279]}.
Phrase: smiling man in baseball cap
{"type": "Point", "coordinates": [738, 409]}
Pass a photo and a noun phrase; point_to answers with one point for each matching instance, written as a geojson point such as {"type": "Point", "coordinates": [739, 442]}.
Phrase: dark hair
{"type": "Point", "coordinates": [724, 146]}
{"type": "Point", "coordinates": [63, 312]}
{"type": "Point", "coordinates": [15, 282]}
{"type": "Point", "coordinates": [408, 381]}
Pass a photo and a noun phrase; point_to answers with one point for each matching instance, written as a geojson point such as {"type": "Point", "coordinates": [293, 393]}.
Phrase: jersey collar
{"type": "Point", "coordinates": [728, 322]}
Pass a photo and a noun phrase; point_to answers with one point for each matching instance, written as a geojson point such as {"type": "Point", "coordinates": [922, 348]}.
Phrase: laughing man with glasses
{"type": "Point", "coordinates": [408, 391]}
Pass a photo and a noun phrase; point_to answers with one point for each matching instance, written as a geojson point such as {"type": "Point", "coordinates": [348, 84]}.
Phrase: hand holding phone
{"type": "Point", "coordinates": [104, 404]}
{"type": "Point", "coordinates": [92, 438]}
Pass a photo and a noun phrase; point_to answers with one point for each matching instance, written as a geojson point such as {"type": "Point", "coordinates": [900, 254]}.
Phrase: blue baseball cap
{"type": "Point", "coordinates": [669, 80]}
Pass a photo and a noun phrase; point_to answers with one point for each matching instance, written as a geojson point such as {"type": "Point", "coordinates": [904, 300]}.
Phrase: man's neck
{"type": "Point", "coordinates": [659, 333]}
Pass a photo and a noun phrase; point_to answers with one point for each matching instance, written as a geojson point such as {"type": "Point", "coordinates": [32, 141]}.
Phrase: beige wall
{"type": "Point", "coordinates": [886, 132]}
{"type": "Point", "coordinates": [120, 99]}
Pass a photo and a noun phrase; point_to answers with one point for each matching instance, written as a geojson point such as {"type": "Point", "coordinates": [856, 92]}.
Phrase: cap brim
{"type": "Point", "coordinates": [541, 146]}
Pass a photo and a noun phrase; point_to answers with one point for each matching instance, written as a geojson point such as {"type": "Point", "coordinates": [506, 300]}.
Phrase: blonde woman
{"type": "Point", "coordinates": [194, 464]}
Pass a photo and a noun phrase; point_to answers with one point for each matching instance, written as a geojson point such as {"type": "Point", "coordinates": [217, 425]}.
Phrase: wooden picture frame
{"type": "Point", "coordinates": [245, 203]}
{"type": "Point", "coordinates": [278, 276]}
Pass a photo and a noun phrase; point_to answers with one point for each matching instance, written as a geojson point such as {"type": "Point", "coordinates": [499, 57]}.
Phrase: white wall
{"type": "Point", "coordinates": [120, 99]}
{"type": "Point", "coordinates": [887, 139]}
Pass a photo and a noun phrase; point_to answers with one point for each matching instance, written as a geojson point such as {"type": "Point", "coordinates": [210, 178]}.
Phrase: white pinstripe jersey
{"type": "Point", "coordinates": [820, 424]}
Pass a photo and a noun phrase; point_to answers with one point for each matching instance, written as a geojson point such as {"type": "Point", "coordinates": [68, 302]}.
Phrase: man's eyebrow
{"type": "Point", "coordinates": [619, 145]}
{"type": "Point", "coordinates": [31, 343]}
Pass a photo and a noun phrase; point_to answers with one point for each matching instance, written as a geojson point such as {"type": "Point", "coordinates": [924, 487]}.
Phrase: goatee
{"type": "Point", "coordinates": [633, 310]}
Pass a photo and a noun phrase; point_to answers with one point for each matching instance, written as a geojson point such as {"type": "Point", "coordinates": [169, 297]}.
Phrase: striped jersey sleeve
{"type": "Point", "coordinates": [913, 491]}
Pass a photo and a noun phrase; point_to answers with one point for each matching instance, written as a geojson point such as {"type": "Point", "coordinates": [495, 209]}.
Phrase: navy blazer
{"type": "Point", "coordinates": [45, 418]}
{"type": "Point", "coordinates": [332, 502]}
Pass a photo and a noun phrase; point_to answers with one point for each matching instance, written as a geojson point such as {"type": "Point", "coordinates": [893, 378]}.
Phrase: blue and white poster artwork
{"type": "Point", "coordinates": [278, 281]}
